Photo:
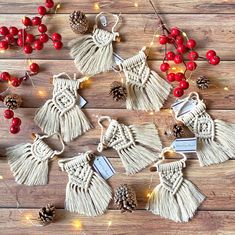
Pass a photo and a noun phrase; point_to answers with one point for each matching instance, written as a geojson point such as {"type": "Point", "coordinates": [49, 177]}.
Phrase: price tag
{"type": "Point", "coordinates": [185, 145]}
{"type": "Point", "coordinates": [183, 106]}
{"type": "Point", "coordinates": [103, 20]}
{"type": "Point", "coordinates": [82, 101]}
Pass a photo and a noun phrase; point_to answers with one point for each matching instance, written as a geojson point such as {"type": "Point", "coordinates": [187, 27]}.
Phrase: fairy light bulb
{"type": "Point", "coordinates": [1, 177]}
{"type": "Point", "coordinates": [96, 6]}
{"type": "Point", "coordinates": [226, 88]}
{"type": "Point", "coordinates": [151, 113]}
{"type": "Point", "coordinates": [136, 4]}
{"type": "Point", "coordinates": [77, 224]}
{"type": "Point", "coordinates": [149, 194]}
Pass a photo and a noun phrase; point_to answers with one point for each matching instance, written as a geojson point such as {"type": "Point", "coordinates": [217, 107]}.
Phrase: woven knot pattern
{"type": "Point", "coordinates": [136, 70]}
{"type": "Point", "coordinates": [120, 138]}
{"type": "Point", "coordinates": [102, 37]}
{"type": "Point", "coordinates": [41, 151]}
{"type": "Point", "coordinates": [204, 127]}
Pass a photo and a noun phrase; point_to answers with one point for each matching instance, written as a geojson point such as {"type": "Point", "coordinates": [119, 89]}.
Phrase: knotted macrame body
{"type": "Point", "coordinates": [61, 114]}
{"type": "Point", "coordinates": [86, 192]}
{"type": "Point", "coordinates": [216, 139]}
{"type": "Point", "coordinates": [146, 90]}
{"type": "Point", "coordinates": [135, 144]}
{"type": "Point", "coordinates": [29, 162]}
{"type": "Point", "coordinates": [175, 198]}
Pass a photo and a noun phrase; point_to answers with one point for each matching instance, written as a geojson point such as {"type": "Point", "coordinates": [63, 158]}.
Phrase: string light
{"type": "Point", "coordinates": [149, 194]}
{"type": "Point", "coordinates": [136, 4]}
{"type": "Point", "coordinates": [1, 177]}
{"type": "Point", "coordinates": [226, 88]}
{"type": "Point", "coordinates": [58, 6]}
{"type": "Point", "coordinates": [77, 224]}
{"type": "Point", "coordinates": [109, 225]}
{"type": "Point", "coordinates": [151, 113]}
{"type": "Point", "coordinates": [96, 6]}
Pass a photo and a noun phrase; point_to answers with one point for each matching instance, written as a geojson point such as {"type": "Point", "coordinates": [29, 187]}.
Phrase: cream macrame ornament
{"type": "Point", "coordinates": [87, 192]}
{"type": "Point", "coordinates": [93, 54]}
{"type": "Point", "coordinates": [216, 138]}
{"type": "Point", "coordinates": [61, 114]}
{"type": "Point", "coordinates": [29, 162]}
{"type": "Point", "coordinates": [146, 90]}
{"type": "Point", "coordinates": [136, 144]}
{"type": "Point", "coordinates": [175, 198]}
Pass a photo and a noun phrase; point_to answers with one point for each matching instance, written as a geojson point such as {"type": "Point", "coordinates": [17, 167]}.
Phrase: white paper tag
{"type": "Point", "coordinates": [117, 60]}
{"type": "Point", "coordinates": [183, 106]}
{"type": "Point", "coordinates": [82, 101]}
{"type": "Point", "coordinates": [185, 145]}
{"type": "Point", "coordinates": [103, 167]}
{"type": "Point", "coordinates": [103, 20]}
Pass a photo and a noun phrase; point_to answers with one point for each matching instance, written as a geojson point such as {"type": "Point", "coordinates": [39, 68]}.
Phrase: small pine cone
{"type": "Point", "coordinates": [78, 22]}
{"type": "Point", "coordinates": [46, 214]}
{"type": "Point", "coordinates": [176, 131]}
{"type": "Point", "coordinates": [203, 82]}
{"type": "Point", "coordinates": [118, 91]}
{"type": "Point", "coordinates": [125, 198]}
{"type": "Point", "coordinates": [12, 101]}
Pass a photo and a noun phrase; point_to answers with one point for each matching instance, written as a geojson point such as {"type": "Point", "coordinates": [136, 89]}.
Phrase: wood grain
{"type": "Point", "coordinates": [137, 31]}
{"type": "Point", "coordinates": [205, 222]}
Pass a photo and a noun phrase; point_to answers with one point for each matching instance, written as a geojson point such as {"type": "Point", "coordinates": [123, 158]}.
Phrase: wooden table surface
{"type": "Point", "coordinates": [211, 23]}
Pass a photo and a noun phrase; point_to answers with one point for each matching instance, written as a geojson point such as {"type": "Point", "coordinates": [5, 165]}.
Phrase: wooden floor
{"type": "Point", "coordinates": [211, 23]}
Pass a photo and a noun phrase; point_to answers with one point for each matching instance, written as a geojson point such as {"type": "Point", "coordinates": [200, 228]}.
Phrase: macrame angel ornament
{"type": "Point", "coordinates": [87, 193]}
{"type": "Point", "coordinates": [146, 90]}
{"type": "Point", "coordinates": [61, 114]}
{"type": "Point", "coordinates": [216, 138]}
{"type": "Point", "coordinates": [93, 54]}
{"type": "Point", "coordinates": [175, 198]}
{"type": "Point", "coordinates": [29, 162]}
{"type": "Point", "coordinates": [137, 145]}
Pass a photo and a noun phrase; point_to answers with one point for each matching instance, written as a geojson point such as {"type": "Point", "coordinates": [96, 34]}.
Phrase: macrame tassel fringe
{"type": "Point", "coordinates": [179, 207]}
{"type": "Point", "coordinates": [26, 168]}
{"type": "Point", "coordinates": [151, 96]}
{"type": "Point", "coordinates": [220, 149]}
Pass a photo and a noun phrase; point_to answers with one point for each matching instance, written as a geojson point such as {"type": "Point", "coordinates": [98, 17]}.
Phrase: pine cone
{"type": "Point", "coordinates": [178, 131]}
{"type": "Point", "coordinates": [46, 214]}
{"type": "Point", "coordinates": [203, 82]}
{"type": "Point", "coordinates": [118, 91]}
{"type": "Point", "coordinates": [12, 101]}
{"type": "Point", "coordinates": [78, 22]}
{"type": "Point", "coordinates": [125, 198]}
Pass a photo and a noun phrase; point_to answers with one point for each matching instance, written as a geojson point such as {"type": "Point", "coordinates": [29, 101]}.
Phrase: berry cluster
{"type": "Point", "coordinates": [15, 122]}
{"type": "Point", "coordinates": [183, 47]}
{"type": "Point", "coordinates": [20, 37]}
{"type": "Point", "coordinates": [14, 81]}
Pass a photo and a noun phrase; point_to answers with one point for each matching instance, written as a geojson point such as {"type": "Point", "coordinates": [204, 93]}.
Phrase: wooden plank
{"type": "Point", "coordinates": [216, 182]}
{"type": "Point", "coordinates": [96, 90]}
{"type": "Point", "coordinates": [205, 222]}
{"type": "Point", "coordinates": [163, 120]}
{"type": "Point", "coordinates": [137, 30]}
{"type": "Point", "coordinates": [171, 6]}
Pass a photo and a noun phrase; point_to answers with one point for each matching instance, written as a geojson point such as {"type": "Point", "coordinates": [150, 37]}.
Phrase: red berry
{"type": "Point", "coordinates": [34, 67]}
{"type": "Point", "coordinates": [36, 21]}
{"type": "Point", "coordinates": [49, 4]}
{"type": "Point", "coordinates": [163, 39]}
{"type": "Point", "coordinates": [42, 28]}
{"type": "Point", "coordinates": [15, 82]}
{"type": "Point", "coordinates": [184, 84]}
{"type": "Point", "coordinates": [191, 43]}
{"type": "Point", "coordinates": [171, 77]}
{"type": "Point", "coordinates": [164, 67]}
{"type": "Point", "coordinates": [214, 60]}
{"type": "Point", "coordinates": [38, 45]}
{"type": "Point", "coordinates": [42, 10]}
{"type": "Point", "coordinates": [170, 55]}
{"type": "Point", "coordinates": [58, 45]}
{"type": "Point", "coordinates": [171, 39]}
{"type": "Point", "coordinates": [175, 32]}
{"type": "Point", "coordinates": [28, 49]}
{"type": "Point", "coordinates": [191, 65]}
{"type": "Point", "coordinates": [5, 76]}
{"type": "Point", "coordinates": [179, 40]}
{"type": "Point", "coordinates": [8, 114]}
{"type": "Point", "coordinates": [14, 129]}
{"type": "Point", "coordinates": [9, 38]}
{"type": "Point", "coordinates": [178, 59]}
{"type": "Point", "coordinates": [20, 42]}
{"type": "Point", "coordinates": [56, 37]}
{"type": "Point", "coordinates": [210, 54]}
{"type": "Point", "coordinates": [178, 92]}
{"type": "Point", "coordinates": [27, 21]}
{"type": "Point", "coordinates": [3, 45]}
{"type": "Point", "coordinates": [193, 55]}
{"type": "Point", "coordinates": [13, 30]}
{"type": "Point", "coordinates": [4, 30]}
{"type": "Point", "coordinates": [30, 38]}
{"type": "Point", "coordinates": [181, 49]}
{"type": "Point", "coordinates": [16, 122]}
{"type": "Point", "coordinates": [22, 33]}
{"type": "Point", "coordinates": [179, 77]}
{"type": "Point", "coordinates": [44, 38]}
